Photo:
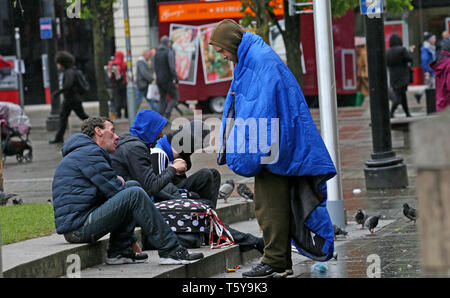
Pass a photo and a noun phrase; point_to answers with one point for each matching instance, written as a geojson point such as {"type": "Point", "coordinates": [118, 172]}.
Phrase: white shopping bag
{"type": "Point", "coordinates": [153, 92]}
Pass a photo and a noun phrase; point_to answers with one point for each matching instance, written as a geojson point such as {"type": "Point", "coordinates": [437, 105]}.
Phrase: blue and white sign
{"type": "Point", "coordinates": [371, 7]}
{"type": "Point", "coordinates": [46, 28]}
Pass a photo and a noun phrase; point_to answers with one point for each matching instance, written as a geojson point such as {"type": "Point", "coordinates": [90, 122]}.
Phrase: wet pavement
{"type": "Point", "coordinates": [392, 252]}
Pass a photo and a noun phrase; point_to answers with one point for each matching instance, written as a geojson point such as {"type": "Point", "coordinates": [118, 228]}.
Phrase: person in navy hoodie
{"type": "Point", "coordinates": [268, 133]}
{"type": "Point", "coordinates": [90, 200]}
{"type": "Point", "coordinates": [132, 157]}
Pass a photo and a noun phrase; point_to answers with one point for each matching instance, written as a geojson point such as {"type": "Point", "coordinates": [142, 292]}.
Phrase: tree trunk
{"type": "Point", "coordinates": [262, 22]}
{"type": "Point", "coordinates": [99, 58]}
{"type": "Point", "coordinates": [291, 38]}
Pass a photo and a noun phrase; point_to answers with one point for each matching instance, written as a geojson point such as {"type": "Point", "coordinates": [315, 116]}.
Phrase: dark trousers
{"type": "Point", "coordinates": [69, 105]}
{"type": "Point", "coordinates": [204, 182]}
{"type": "Point", "coordinates": [119, 216]}
{"type": "Point", "coordinates": [272, 210]}
{"type": "Point", "coordinates": [400, 98]}
{"type": "Point", "coordinates": [120, 100]}
{"type": "Point", "coordinates": [165, 108]}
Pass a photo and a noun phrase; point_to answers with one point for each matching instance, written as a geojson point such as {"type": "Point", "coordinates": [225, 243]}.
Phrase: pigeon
{"type": "Point", "coordinates": [245, 192]}
{"type": "Point", "coordinates": [410, 212]}
{"type": "Point", "coordinates": [17, 202]}
{"type": "Point", "coordinates": [360, 218]}
{"type": "Point", "coordinates": [4, 197]}
{"type": "Point", "coordinates": [371, 223]}
{"type": "Point", "coordinates": [226, 189]}
{"type": "Point", "coordinates": [339, 231]}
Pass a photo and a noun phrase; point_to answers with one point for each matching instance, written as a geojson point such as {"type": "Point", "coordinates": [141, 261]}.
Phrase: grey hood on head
{"type": "Point", "coordinates": [164, 41]}
{"type": "Point", "coordinates": [446, 44]}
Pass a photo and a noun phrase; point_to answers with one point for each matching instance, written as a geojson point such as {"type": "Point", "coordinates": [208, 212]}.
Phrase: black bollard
{"type": "Point", "coordinates": [430, 95]}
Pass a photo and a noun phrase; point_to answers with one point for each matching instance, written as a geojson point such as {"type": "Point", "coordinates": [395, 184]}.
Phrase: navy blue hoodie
{"type": "Point", "coordinates": [132, 157]}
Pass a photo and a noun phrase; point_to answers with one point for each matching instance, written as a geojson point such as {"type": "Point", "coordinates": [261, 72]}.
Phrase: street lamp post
{"type": "Point", "coordinates": [385, 169]}
{"type": "Point", "coordinates": [328, 105]}
{"type": "Point", "coordinates": [50, 48]}
{"type": "Point", "coordinates": [19, 62]}
{"type": "Point", "coordinates": [131, 91]}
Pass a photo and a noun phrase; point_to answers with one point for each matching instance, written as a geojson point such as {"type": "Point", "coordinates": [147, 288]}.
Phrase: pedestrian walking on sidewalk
{"type": "Point", "coordinates": [145, 77]}
{"type": "Point", "coordinates": [293, 169]}
{"type": "Point", "coordinates": [442, 70]}
{"type": "Point", "coordinates": [166, 76]}
{"type": "Point", "coordinates": [427, 56]}
{"type": "Point", "coordinates": [90, 200]}
{"type": "Point", "coordinates": [117, 73]}
{"type": "Point", "coordinates": [440, 43]}
{"type": "Point", "coordinates": [68, 87]}
{"type": "Point", "coordinates": [398, 59]}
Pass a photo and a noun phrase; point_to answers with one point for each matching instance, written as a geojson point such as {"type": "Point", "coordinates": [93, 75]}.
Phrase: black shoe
{"type": "Point", "coordinates": [180, 256]}
{"type": "Point", "coordinates": [264, 270]}
{"type": "Point", "coordinates": [128, 256]}
{"type": "Point", "coordinates": [56, 141]}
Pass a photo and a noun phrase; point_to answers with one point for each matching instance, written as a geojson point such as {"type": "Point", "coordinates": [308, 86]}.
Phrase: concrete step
{"type": "Point", "coordinates": [52, 256]}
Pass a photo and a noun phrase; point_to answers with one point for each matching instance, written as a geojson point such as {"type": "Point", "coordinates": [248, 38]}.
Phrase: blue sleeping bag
{"type": "Point", "coordinates": [267, 124]}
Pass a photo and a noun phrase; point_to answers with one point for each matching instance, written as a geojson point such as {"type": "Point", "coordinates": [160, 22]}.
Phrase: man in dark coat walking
{"type": "Point", "coordinates": [166, 77]}
{"type": "Point", "coordinates": [398, 58]}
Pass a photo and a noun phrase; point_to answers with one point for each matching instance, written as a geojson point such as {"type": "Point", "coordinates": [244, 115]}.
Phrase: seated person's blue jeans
{"type": "Point", "coordinates": [120, 215]}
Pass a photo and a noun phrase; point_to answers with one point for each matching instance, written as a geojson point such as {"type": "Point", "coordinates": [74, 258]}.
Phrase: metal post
{"type": "Point", "coordinates": [19, 61]}
{"type": "Point", "coordinates": [50, 48]}
{"type": "Point", "coordinates": [384, 170]}
{"type": "Point", "coordinates": [131, 91]}
{"type": "Point", "coordinates": [328, 104]}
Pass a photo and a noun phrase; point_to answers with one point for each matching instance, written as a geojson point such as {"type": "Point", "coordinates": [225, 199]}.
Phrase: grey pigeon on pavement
{"type": "Point", "coordinates": [225, 190]}
{"type": "Point", "coordinates": [410, 212]}
{"type": "Point", "coordinates": [360, 218]}
{"type": "Point", "coordinates": [339, 231]}
{"type": "Point", "coordinates": [4, 197]}
{"type": "Point", "coordinates": [245, 192]}
{"type": "Point", "coordinates": [371, 223]}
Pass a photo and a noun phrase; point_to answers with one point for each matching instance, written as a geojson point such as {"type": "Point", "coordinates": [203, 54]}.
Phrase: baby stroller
{"type": "Point", "coordinates": [15, 129]}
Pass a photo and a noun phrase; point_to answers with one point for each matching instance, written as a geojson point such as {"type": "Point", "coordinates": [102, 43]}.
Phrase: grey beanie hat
{"type": "Point", "coordinates": [445, 43]}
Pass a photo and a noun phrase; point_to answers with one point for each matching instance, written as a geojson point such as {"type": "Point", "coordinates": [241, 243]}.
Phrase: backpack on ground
{"type": "Point", "coordinates": [191, 220]}
{"type": "Point", "coordinates": [82, 82]}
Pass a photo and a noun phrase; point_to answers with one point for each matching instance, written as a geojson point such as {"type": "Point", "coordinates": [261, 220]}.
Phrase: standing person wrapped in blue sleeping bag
{"type": "Point", "coordinates": [267, 132]}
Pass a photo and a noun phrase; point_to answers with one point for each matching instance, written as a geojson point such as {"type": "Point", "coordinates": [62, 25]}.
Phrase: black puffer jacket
{"type": "Point", "coordinates": [132, 161]}
{"type": "Point", "coordinates": [397, 58]}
